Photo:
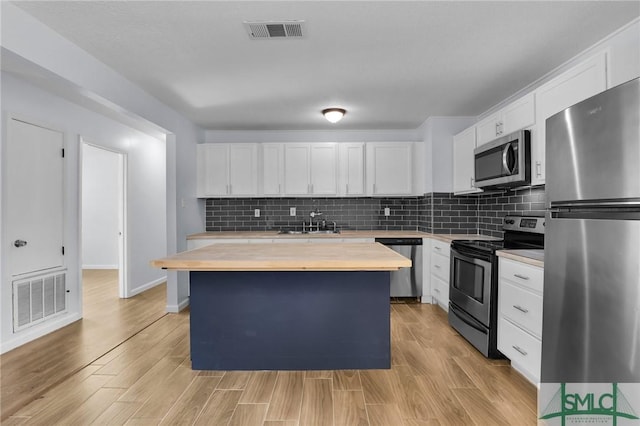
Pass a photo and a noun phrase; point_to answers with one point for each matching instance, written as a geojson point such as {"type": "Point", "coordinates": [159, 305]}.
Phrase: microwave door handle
{"type": "Point", "coordinates": [505, 158]}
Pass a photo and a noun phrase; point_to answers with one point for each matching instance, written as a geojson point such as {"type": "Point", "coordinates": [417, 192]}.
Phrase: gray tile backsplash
{"type": "Point", "coordinates": [237, 214]}
{"type": "Point", "coordinates": [439, 213]}
{"type": "Point", "coordinates": [492, 208]}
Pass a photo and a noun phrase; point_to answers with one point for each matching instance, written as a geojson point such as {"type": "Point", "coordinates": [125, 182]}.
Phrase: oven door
{"type": "Point", "coordinates": [470, 284]}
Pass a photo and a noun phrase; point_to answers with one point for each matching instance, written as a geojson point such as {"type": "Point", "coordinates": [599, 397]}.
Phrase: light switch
{"type": "Point", "coordinates": [387, 211]}
{"type": "Point", "coordinates": [292, 211]}
{"type": "Point", "coordinates": [256, 213]}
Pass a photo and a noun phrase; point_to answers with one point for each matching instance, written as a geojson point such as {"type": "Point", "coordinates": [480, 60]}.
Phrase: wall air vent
{"type": "Point", "coordinates": [272, 29]}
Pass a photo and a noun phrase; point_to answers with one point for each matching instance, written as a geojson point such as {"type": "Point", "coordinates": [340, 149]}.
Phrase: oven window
{"type": "Point", "coordinates": [469, 278]}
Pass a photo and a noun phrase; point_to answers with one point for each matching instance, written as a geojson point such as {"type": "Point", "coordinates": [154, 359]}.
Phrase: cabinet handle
{"type": "Point", "coordinates": [347, 190]}
{"type": "Point", "coordinates": [230, 190]}
{"type": "Point", "coordinates": [497, 128]}
{"type": "Point", "coordinates": [437, 248]}
{"type": "Point", "coordinates": [521, 309]}
{"type": "Point", "coordinates": [538, 169]}
{"type": "Point", "coordinates": [436, 266]}
{"type": "Point", "coordinates": [312, 188]}
{"type": "Point", "coordinates": [374, 188]}
{"type": "Point", "coordinates": [524, 353]}
{"type": "Point", "coordinates": [437, 290]}
{"type": "Point", "coordinates": [279, 191]}
{"type": "Point", "coordinates": [471, 183]}
{"type": "Point", "coordinates": [227, 189]}
{"type": "Point", "coordinates": [522, 277]}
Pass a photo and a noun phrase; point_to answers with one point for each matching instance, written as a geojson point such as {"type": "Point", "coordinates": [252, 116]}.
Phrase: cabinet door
{"type": "Point", "coordinates": [389, 165]}
{"type": "Point", "coordinates": [296, 169]}
{"type": "Point", "coordinates": [463, 162]}
{"type": "Point", "coordinates": [243, 169]}
{"type": "Point", "coordinates": [272, 169]}
{"type": "Point", "coordinates": [581, 82]}
{"type": "Point", "coordinates": [519, 114]}
{"type": "Point", "coordinates": [212, 170]}
{"type": "Point", "coordinates": [488, 129]}
{"type": "Point", "coordinates": [352, 169]}
{"type": "Point", "coordinates": [324, 169]}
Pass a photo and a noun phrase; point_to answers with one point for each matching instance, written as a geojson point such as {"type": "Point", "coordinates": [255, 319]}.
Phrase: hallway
{"type": "Point", "coordinates": [29, 371]}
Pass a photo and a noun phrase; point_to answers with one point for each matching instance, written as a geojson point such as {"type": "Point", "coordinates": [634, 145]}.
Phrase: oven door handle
{"type": "Point", "coordinates": [461, 315]}
{"type": "Point", "coordinates": [475, 258]}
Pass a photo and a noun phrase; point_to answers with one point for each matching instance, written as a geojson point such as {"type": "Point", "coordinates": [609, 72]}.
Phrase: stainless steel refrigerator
{"type": "Point", "coordinates": [591, 318]}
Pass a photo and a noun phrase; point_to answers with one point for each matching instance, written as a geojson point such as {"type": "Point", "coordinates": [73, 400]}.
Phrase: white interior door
{"type": "Point", "coordinates": [35, 193]}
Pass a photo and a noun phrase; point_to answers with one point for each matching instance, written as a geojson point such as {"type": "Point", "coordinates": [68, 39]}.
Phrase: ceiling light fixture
{"type": "Point", "coordinates": [334, 115]}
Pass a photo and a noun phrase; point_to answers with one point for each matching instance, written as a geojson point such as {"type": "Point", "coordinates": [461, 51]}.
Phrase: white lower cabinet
{"type": "Point", "coordinates": [520, 288]}
{"type": "Point", "coordinates": [440, 265]}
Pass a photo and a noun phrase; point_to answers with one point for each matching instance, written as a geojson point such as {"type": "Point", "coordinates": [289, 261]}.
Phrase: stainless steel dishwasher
{"type": "Point", "coordinates": [406, 282]}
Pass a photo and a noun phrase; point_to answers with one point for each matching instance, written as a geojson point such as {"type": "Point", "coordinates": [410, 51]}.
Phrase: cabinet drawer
{"type": "Point", "coordinates": [440, 291]}
{"type": "Point", "coordinates": [440, 266]}
{"type": "Point", "coordinates": [521, 348]}
{"type": "Point", "coordinates": [526, 275]}
{"type": "Point", "coordinates": [440, 247]}
{"type": "Point", "coordinates": [521, 306]}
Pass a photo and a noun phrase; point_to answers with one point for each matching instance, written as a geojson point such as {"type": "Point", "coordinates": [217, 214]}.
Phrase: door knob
{"type": "Point", "coordinates": [19, 243]}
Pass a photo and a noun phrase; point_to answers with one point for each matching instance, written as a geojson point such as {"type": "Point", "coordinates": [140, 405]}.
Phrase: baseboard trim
{"type": "Point", "coordinates": [31, 334]}
{"type": "Point", "coordinates": [100, 267]}
{"type": "Point", "coordinates": [174, 309]}
{"type": "Point", "coordinates": [146, 286]}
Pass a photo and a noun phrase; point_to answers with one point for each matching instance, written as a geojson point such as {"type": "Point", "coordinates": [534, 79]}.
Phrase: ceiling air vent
{"type": "Point", "coordinates": [272, 29]}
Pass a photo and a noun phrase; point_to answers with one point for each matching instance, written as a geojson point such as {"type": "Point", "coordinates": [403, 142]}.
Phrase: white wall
{"type": "Point", "coordinates": [438, 140]}
{"type": "Point", "coordinates": [51, 60]}
{"type": "Point", "coordinates": [100, 208]}
{"type": "Point", "coordinates": [146, 191]}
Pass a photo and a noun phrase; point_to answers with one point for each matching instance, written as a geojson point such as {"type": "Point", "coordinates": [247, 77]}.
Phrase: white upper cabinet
{"type": "Point", "coordinates": [311, 169]}
{"type": "Point", "coordinates": [243, 169]}
{"type": "Point", "coordinates": [296, 169]}
{"type": "Point", "coordinates": [227, 170]}
{"type": "Point", "coordinates": [389, 170]}
{"type": "Point", "coordinates": [272, 169]}
{"type": "Point", "coordinates": [463, 162]}
{"type": "Point", "coordinates": [324, 169]}
{"type": "Point", "coordinates": [212, 170]}
{"type": "Point", "coordinates": [518, 115]}
{"type": "Point", "coordinates": [351, 169]}
{"type": "Point", "coordinates": [578, 83]}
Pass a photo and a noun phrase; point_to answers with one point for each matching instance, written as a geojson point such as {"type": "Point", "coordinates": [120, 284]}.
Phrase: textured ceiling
{"type": "Point", "coordinates": [391, 64]}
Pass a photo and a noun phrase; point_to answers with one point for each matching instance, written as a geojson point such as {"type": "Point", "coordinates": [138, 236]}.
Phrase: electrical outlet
{"type": "Point", "coordinates": [256, 213]}
{"type": "Point", "coordinates": [387, 211]}
{"type": "Point", "coordinates": [292, 211]}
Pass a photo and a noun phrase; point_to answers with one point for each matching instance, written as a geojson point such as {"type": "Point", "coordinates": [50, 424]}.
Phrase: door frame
{"type": "Point", "coordinates": [123, 288]}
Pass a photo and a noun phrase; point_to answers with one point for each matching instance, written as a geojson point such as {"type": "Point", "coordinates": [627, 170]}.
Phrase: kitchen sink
{"type": "Point", "coordinates": [337, 231]}
{"type": "Point", "coordinates": [291, 232]}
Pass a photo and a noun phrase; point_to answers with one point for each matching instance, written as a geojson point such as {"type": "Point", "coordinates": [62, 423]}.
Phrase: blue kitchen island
{"type": "Point", "coordinates": [297, 306]}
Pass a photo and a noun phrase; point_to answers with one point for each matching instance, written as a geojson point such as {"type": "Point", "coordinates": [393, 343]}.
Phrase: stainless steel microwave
{"type": "Point", "coordinates": [504, 162]}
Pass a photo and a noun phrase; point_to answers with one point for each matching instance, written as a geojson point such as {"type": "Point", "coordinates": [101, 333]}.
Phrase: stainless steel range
{"type": "Point", "coordinates": [473, 291]}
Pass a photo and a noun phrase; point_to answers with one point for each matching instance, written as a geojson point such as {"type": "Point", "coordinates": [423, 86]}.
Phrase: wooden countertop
{"type": "Point", "coordinates": [532, 257]}
{"type": "Point", "coordinates": [343, 234]}
{"type": "Point", "coordinates": [287, 257]}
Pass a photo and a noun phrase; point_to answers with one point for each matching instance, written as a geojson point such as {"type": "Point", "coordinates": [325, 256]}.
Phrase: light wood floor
{"type": "Point", "coordinates": [30, 370]}
{"type": "Point", "coordinates": [436, 378]}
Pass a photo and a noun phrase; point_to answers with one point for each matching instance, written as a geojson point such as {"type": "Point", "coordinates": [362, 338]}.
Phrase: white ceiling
{"type": "Point", "coordinates": [391, 64]}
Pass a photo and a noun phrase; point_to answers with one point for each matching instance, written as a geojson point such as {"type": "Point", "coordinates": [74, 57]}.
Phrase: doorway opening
{"type": "Point", "coordinates": [103, 234]}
